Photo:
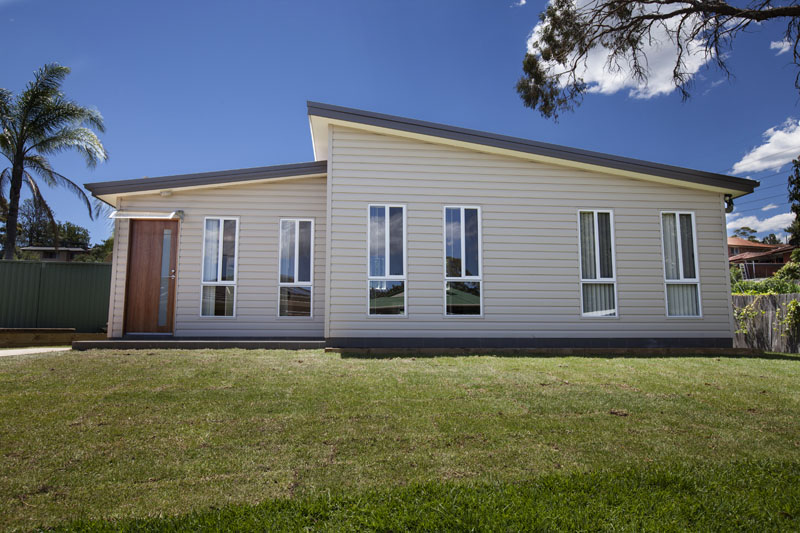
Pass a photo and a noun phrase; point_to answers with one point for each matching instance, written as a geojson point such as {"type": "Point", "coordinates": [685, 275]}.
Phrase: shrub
{"type": "Point", "coordinates": [773, 285]}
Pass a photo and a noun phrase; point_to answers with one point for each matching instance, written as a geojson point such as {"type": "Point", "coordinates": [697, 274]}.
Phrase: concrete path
{"type": "Point", "coordinates": [38, 349]}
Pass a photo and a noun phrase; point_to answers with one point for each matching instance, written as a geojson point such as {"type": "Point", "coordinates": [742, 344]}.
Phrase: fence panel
{"type": "Point", "coordinates": [19, 293]}
{"type": "Point", "coordinates": [42, 294]}
{"type": "Point", "coordinates": [761, 321]}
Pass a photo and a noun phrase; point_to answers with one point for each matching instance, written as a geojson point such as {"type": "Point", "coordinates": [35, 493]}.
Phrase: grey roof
{"type": "Point", "coordinates": [207, 178]}
{"type": "Point", "coordinates": [52, 249]}
{"type": "Point", "coordinates": [531, 147]}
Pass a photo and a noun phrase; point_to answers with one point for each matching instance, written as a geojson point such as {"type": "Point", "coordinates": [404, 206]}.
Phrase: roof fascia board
{"type": "Point", "coordinates": [532, 150]}
{"type": "Point", "coordinates": [111, 198]}
{"type": "Point", "coordinates": [208, 179]}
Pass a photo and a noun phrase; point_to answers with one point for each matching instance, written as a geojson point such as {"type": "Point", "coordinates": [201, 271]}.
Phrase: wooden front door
{"type": "Point", "coordinates": [150, 292]}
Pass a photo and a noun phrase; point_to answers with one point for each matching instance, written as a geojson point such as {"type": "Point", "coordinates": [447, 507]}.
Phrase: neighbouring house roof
{"type": "Point", "coordinates": [109, 190]}
{"type": "Point", "coordinates": [751, 256]}
{"type": "Point", "coordinates": [744, 243]}
{"type": "Point", "coordinates": [545, 151]}
{"type": "Point", "coordinates": [52, 249]}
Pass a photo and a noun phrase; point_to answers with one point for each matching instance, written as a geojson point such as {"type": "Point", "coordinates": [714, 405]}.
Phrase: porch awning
{"type": "Point", "coordinates": [163, 215]}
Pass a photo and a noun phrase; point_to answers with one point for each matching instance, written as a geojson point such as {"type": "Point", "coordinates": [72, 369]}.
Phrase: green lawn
{"type": "Point", "coordinates": [458, 442]}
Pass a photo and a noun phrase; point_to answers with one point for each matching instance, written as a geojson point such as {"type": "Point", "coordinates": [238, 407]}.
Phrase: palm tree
{"type": "Point", "coordinates": [40, 122]}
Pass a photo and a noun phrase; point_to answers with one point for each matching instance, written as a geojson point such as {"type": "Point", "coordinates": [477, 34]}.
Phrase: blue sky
{"type": "Point", "coordinates": [200, 86]}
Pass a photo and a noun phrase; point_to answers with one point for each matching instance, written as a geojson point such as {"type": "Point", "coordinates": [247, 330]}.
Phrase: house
{"type": "Point", "coordinates": [404, 233]}
{"type": "Point", "coordinates": [51, 253]}
{"type": "Point", "coordinates": [737, 245]}
{"type": "Point", "coordinates": [764, 263]}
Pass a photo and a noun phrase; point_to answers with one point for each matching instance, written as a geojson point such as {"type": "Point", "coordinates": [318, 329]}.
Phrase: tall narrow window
{"type": "Point", "coordinates": [462, 257]}
{"type": "Point", "coordinates": [220, 239]}
{"type": "Point", "coordinates": [680, 264]}
{"type": "Point", "coordinates": [598, 279]}
{"type": "Point", "coordinates": [386, 284]}
{"type": "Point", "coordinates": [295, 283]}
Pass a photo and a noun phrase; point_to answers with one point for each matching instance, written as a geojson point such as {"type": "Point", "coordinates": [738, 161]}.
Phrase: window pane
{"type": "Point", "coordinates": [588, 270]}
{"type": "Point", "coordinates": [386, 297]}
{"type": "Point", "coordinates": [463, 298]}
{"type": "Point", "coordinates": [287, 251]}
{"type": "Point", "coordinates": [377, 241]}
{"type": "Point", "coordinates": [163, 290]}
{"type": "Point", "coordinates": [228, 250]}
{"type": "Point", "coordinates": [295, 301]}
{"type": "Point", "coordinates": [395, 241]}
{"type": "Point", "coordinates": [682, 299]}
{"type": "Point", "coordinates": [604, 245]}
{"type": "Point", "coordinates": [218, 300]}
{"type": "Point", "coordinates": [452, 220]}
{"type": "Point", "coordinates": [471, 254]}
{"type": "Point", "coordinates": [687, 247]}
{"type": "Point", "coordinates": [304, 252]}
{"type": "Point", "coordinates": [598, 299]}
{"type": "Point", "coordinates": [670, 238]}
{"type": "Point", "coordinates": [211, 257]}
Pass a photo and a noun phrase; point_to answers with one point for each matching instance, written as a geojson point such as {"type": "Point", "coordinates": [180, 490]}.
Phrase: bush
{"type": "Point", "coordinates": [773, 285]}
{"type": "Point", "coordinates": [736, 275]}
{"type": "Point", "coordinates": [790, 271]}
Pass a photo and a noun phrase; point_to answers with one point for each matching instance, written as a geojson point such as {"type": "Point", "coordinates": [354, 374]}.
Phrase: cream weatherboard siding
{"type": "Point", "coordinates": [259, 207]}
{"type": "Point", "coordinates": [530, 243]}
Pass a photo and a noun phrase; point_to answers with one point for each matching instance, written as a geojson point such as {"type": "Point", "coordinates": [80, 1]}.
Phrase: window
{"type": "Point", "coordinates": [296, 267]}
{"type": "Point", "coordinates": [462, 257]}
{"type": "Point", "coordinates": [220, 242]}
{"type": "Point", "coordinates": [681, 278]}
{"type": "Point", "coordinates": [598, 279]}
{"type": "Point", "coordinates": [386, 284]}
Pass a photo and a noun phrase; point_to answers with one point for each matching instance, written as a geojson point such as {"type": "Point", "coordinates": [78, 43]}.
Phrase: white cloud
{"type": "Point", "coordinates": [781, 46]}
{"type": "Point", "coordinates": [781, 145]}
{"type": "Point", "coordinates": [771, 224]}
{"type": "Point", "coordinates": [520, 3]}
{"type": "Point", "coordinates": [661, 56]}
{"type": "Point", "coordinates": [769, 207]}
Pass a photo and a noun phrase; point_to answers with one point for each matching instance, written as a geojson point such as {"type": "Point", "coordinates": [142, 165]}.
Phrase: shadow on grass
{"type": "Point", "coordinates": [432, 354]}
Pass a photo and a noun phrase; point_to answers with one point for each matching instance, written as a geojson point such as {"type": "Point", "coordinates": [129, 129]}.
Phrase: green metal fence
{"type": "Point", "coordinates": [41, 294]}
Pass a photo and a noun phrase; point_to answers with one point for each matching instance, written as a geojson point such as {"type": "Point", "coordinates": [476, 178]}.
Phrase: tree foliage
{"type": "Point", "coordinates": [99, 253]}
{"type": "Point", "coordinates": [36, 229]}
{"type": "Point", "coordinates": [771, 239]}
{"type": "Point", "coordinates": [37, 123]}
{"type": "Point", "coordinates": [569, 30]}
{"type": "Point", "coordinates": [794, 201]}
{"type": "Point", "coordinates": [746, 232]}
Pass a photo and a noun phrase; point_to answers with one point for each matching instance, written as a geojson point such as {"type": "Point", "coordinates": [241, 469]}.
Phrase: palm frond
{"type": "Point", "coordinates": [5, 180]}
{"type": "Point", "coordinates": [58, 113]}
{"type": "Point", "coordinates": [39, 201]}
{"type": "Point", "coordinates": [45, 85]}
{"type": "Point", "coordinates": [83, 140]}
{"type": "Point", "coordinates": [6, 102]}
{"type": "Point", "coordinates": [41, 166]}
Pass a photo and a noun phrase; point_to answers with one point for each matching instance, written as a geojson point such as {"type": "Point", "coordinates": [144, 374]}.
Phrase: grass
{"type": "Point", "coordinates": [212, 439]}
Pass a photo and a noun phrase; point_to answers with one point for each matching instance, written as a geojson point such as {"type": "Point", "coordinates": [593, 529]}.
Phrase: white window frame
{"type": "Point", "coordinates": [234, 283]}
{"type": "Point", "coordinates": [682, 280]}
{"type": "Point", "coordinates": [598, 280]}
{"type": "Point", "coordinates": [479, 277]}
{"type": "Point", "coordinates": [309, 284]}
{"type": "Point", "coordinates": [386, 277]}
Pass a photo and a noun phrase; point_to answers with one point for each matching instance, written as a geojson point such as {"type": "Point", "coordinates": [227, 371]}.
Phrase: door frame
{"type": "Point", "coordinates": [173, 296]}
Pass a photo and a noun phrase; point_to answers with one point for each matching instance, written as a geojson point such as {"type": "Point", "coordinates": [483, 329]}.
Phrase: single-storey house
{"type": "Point", "coordinates": [763, 263]}
{"type": "Point", "coordinates": [737, 245]}
{"type": "Point", "coordinates": [51, 253]}
{"type": "Point", "coordinates": [404, 233]}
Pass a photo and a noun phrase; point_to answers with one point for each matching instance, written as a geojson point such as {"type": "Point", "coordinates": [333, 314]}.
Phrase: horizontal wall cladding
{"type": "Point", "coordinates": [259, 208]}
{"type": "Point", "coordinates": [530, 243]}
